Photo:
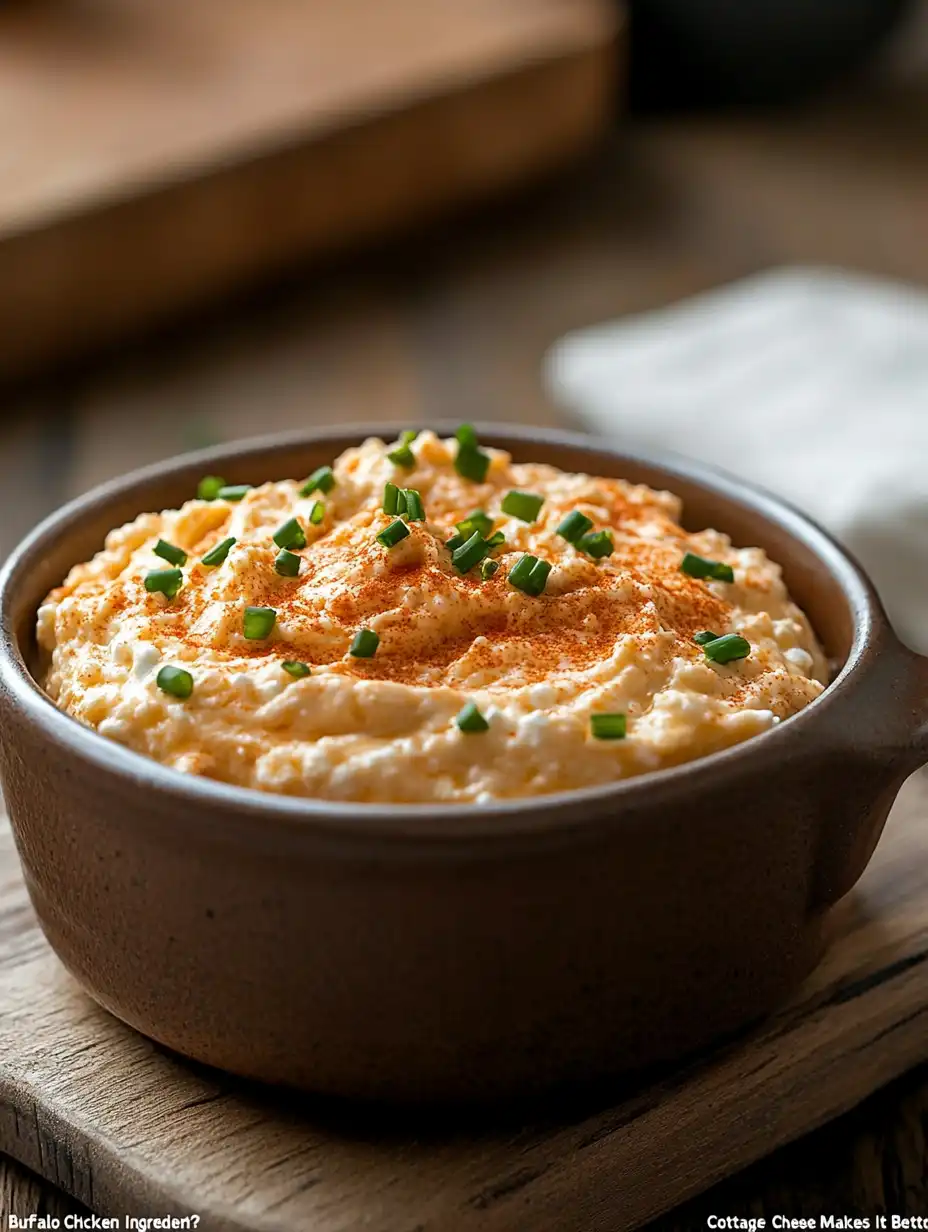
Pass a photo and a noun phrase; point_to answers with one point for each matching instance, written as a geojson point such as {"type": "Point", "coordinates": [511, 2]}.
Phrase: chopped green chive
{"type": "Point", "coordinates": [414, 509]}
{"type": "Point", "coordinates": [287, 564]}
{"type": "Point", "coordinates": [321, 480]}
{"type": "Point", "coordinates": [393, 534]}
{"type": "Point", "coordinates": [210, 486]}
{"type": "Point", "coordinates": [471, 721]}
{"type": "Point", "coordinates": [290, 535]}
{"type": "Point", "coordinates": [216, 555]}
{"type": "Point", "coordinates": [574, 526]}
{"type": "Point", "coordinates": [364, 645]}
{"type": "Point", "coordinates": [175, 681]}
{"type": "Point", "coordinates": [472, 465]}
{"type": "Point", "coordinates": [258, 622]}
{"type": "Point", "coordinates": [597, 544]}
{"type": "Point", "coordinates": [164, 582]}
{"type": "Point", "coordinates": [317, 514]}
{"type": "Point", "coordinates": [539, 577]}
{"type": "Point", "coordinates": [454, 543]}
{"type": "Point", "coordinates": [530, 575]}
{"type": "Point", "coordinates": [521, 571]}
{"type": "Point", "coordinates": [394, 499]}
{"type": "Point", "coordinates": [525, 506]}
{"type": "Point", "coordinates": [476, 521]}
{"type": "Point", "coordinates": [296, 669]}
{"type": "Point", "coordinates": [728, 648]}
{"type": "Point", "coordinates": [471, 462]}
{"type": "Point", "coordinates": [402, 455]}
{"type": "Point", "coordinates": [608, 726]}
{"type": "Point", "coordinates": [470, 553]}
{"type": "Point", "coordinates": [698, 567]}
{"type": "Point", "coordinates": [496, 540]}
{"type": "Point", "coordinates": [706, 636]}
{"type": "Point", "coordinates": [488, 568]}
{"type": "Point", "coordinates": [234, 492]}
{"type": "Point", "coordinates": [167, 551]}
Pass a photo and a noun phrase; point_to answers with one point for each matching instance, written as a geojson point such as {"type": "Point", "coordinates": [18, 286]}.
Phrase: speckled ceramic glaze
{"type": "Point", "coordinates": [405, 952]}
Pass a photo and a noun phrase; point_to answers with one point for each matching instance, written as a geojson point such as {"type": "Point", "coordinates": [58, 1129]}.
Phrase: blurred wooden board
{"type": "Point", "coordinates": [126, 1128]}
{"type": "Point", "coordinates": [155, 154]}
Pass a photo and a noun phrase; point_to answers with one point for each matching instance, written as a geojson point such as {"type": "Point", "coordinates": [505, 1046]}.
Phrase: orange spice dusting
{"type": "Point", "coordinates": [430, 617]}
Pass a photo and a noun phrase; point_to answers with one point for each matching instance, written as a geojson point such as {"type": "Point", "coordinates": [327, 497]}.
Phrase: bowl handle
{"type": "Point", "coordinates": [886, 741]}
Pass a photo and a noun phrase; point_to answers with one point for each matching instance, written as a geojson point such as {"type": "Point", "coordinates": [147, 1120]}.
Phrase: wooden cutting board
{"type": "Point", "coordinates": [156, 153]}
{"type": "Point", "coordinates": [127, 1128]}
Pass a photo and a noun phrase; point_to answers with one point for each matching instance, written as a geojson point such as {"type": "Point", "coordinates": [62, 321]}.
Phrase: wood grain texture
{"type": "Point", "coordinates": [23, 1193]}
{"type": "Point", "coordinates": [120, 1125]}
{"type": "Point", "coordinates": [165, 153]}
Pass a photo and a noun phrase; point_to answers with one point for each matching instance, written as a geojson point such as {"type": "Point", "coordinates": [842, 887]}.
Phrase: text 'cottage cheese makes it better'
{"type": "Point", "coordinates": [426, 621]}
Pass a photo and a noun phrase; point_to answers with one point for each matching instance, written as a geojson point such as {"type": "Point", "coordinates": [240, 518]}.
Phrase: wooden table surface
{"type": "Point", "coordinates": [454, 324]}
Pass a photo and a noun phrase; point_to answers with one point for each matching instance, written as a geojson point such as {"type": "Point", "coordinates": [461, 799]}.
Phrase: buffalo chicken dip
{"type": "Point", "coordinates": [426, 621]}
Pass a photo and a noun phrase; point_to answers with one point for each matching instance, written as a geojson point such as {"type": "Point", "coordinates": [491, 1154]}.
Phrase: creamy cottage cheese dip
{"type": "Point", "coordinates": [296, 637]}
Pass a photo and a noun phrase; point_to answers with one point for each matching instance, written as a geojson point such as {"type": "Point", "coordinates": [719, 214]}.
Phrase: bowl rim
{"type": "Point", "coordinates": [438, 819]}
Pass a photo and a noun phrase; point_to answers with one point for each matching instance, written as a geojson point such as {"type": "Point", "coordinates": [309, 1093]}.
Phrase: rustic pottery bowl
{"type": "Point", "coordinates": [418, 953]}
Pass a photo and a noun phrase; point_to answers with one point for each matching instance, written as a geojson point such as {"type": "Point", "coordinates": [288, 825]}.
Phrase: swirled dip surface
{"type": "Point", "coordinates": [612, 635]}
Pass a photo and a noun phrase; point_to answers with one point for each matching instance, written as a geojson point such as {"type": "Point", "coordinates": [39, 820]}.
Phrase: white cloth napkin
{"type": "Point", "coordinates": [813, 383]}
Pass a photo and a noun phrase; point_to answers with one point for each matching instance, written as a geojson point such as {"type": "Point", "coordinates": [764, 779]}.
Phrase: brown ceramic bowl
{"type": "Point", "coordinates": [423, 953]}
